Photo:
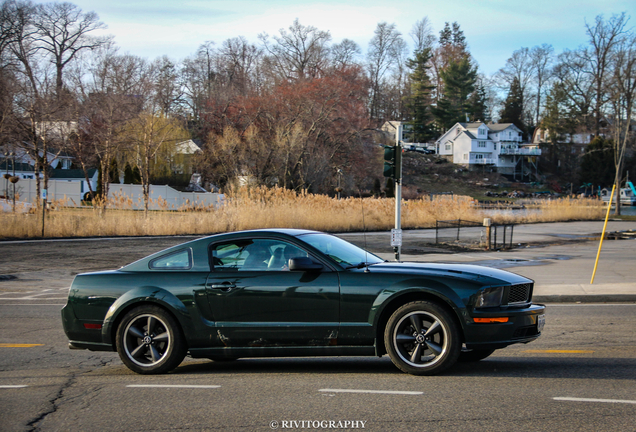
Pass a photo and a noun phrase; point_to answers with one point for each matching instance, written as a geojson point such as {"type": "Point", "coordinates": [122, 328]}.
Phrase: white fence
{"type": "Point", "coordinates": [125, 196]}
{"type": "Point", "coordinates": [162, 197]}
{"type": "Point", "coordinates": [71, 191]}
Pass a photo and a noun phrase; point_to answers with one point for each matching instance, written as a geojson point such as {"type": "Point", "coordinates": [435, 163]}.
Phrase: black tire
{"type": "Point", "coordinates": [422, 338]}
{"type": "Point", "coordinates": [150, 341]}
{"type": "Point", "coordinates": [470, 356]}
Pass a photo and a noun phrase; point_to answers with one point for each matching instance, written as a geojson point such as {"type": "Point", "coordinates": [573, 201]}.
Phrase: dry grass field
{"type": "Point", "coordinates": [269, 208]}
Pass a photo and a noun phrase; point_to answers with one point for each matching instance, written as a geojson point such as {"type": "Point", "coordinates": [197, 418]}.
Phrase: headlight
{"type": "Point", "coordinates": [490, 297]}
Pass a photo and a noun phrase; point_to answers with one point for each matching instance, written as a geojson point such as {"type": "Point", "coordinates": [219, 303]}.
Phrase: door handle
{"type": "Point", "coordinates": [225, 286]}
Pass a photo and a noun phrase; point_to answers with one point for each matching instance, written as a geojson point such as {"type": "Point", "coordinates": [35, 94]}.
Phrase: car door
{"type": "Point", "coordinates": [257, 301]}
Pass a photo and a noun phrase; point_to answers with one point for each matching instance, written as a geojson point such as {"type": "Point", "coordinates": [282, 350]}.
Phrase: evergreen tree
{"type": "Point", "coordinates": [513, 106]}
{"type": "Point", "coordinates": [446, 35]}
{"type": "Point", "coordinates": [557, 121]}
{"type": "Point", "coordinates": [459, 82]}
{"type": "Point", "coordinates": [477, 109]}
{"type": "Point", "coordinates": [113, 171]}
{"type": "Point", "coordinates": [131, 176]}
{"type": "Point", "coordinates": [419, 102]}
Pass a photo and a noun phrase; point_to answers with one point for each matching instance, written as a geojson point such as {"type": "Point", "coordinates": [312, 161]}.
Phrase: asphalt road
{"type": "Point", "coordinates": [580, 375]}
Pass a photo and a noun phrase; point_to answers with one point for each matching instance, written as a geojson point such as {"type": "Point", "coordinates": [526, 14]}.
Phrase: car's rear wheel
{"type": "Point", "coordinates": [422, 338]}
{"type": "Point", "coordinates": [469, 356]}
{"type": "Point", "coordinates": [150, 341]}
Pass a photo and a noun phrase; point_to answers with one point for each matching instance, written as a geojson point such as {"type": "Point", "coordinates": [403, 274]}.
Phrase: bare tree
{"type": "Point", "coordinates": [384, 52]}
{"type": "Point", "coordinates": [167, 91]}
{"type": "Point", "coordinates": [197, 77]}
{"type": "Point", "coordinates": [623, 98]}
{"type": "Point", "coordinates": [542, 57]}
{"type": "Point", "coordinates": [239, 59]}
{"type": "Point", "coordinates": [422, 35]}
{"type": "Point", "coordinates": [603, 37]}
{"type": "Point", "coordinates": [578, 84]}
{"type": "Point", "coordinates": [520, 68]}
{"type": "Point", "coordinates": [300, 53]}
{"type": "Point", "coordinates": [345, 53]}
{"type": "Point", "coordinates": [63, 31]}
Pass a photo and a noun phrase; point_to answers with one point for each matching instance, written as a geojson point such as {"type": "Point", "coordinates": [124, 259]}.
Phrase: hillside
{"type": "Point", "coordinates": [425, 174]}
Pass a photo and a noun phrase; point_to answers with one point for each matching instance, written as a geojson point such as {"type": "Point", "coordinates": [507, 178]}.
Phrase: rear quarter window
{"type": "Point", "coordinates": [178, 260]}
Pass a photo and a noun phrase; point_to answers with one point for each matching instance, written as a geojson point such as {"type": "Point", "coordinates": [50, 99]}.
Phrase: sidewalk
{"type": "Point", "coordinates": [559, 258]}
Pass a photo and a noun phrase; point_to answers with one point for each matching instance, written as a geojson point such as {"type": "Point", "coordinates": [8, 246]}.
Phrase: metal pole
{"type": "Point", "coordinates": [459, 224]}
{"type": "Point", "coordinates": [600, 245]}
{"type": "Point", "coordinates": [398, 190]}
{"type": "Point", "coordinates": [512, 230]}
{"type": "Point", "coordinates": [436, 231]}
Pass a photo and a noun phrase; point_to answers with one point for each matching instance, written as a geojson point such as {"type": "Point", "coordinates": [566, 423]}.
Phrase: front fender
{"type": "Point", "coordinates": [146, 294]}
{"type": "Point", "coordinates": [439, 291]}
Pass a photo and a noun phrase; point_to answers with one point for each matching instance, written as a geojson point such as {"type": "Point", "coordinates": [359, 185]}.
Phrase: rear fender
{"type": "Point", "coordinates": [140, 295]}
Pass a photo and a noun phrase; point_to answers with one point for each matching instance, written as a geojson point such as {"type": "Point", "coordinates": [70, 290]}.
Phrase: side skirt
{"type": "Point", "coordinates": [309, 351]}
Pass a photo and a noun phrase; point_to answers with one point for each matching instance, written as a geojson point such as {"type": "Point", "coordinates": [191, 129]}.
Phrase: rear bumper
{"type": "Point", "coordinates": [79, 336]}
{"type": "Point", "coordinates": [522, 327]}
{"type": "Point", "coordinates": [91, 346]}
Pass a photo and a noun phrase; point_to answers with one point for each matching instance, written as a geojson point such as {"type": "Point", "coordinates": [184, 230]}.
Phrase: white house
{"type": "Point", "coordinates": [495, 146]}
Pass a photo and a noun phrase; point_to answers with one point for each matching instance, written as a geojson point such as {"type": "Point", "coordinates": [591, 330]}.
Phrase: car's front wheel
{"type": "Point", "coordinates": [150, 341]}
{"type": "Point", "coordinates": [422, 338]}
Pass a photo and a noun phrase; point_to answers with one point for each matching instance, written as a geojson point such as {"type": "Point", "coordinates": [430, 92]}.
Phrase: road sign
{"type": "Point", "coordinates": [396, 237]}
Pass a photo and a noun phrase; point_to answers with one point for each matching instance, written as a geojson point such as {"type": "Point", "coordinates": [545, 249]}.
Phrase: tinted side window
{"type": "Point", "coordinates": [179, 260]}
{"type": "Point", "coordinates": [254, 255]}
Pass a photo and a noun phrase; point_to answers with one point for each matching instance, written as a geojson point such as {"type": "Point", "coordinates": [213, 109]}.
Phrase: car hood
{"type": "Point", "coordinates": [481, 274]}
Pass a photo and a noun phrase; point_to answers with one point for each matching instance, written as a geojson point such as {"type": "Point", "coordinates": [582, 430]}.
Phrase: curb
{"type": "Point", "coordinates": [602, 298]}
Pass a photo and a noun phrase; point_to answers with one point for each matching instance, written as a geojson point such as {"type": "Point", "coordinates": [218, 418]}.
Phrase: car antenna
{"type": "Point", "coordinates": [364, 234]}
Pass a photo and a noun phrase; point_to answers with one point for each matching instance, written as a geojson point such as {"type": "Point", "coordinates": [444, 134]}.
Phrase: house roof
{"type": "Point", "coordinates": [71, 173]}
{"type": "Point", "coordinates": [474, 125]}
{"type": "Point", "coordinates": [498, 127]}
{"type": "Point", "coordinates": [187, 147]}
{"type": "Point", "coordinates": [19, 166]}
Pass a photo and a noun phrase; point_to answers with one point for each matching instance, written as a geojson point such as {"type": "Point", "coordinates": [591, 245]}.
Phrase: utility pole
{"type": "Point", "coordinates": [393, 169]}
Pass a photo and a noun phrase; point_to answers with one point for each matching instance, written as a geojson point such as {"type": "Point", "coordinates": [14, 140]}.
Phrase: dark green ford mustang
{"type": "Point", "coordinates": [291, 292]}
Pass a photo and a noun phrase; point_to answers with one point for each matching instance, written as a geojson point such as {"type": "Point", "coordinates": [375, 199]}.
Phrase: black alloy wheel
{"type": "Point", "coordinates": [150, 341]}
{"type": "Point", "coordinates": [422, 338]}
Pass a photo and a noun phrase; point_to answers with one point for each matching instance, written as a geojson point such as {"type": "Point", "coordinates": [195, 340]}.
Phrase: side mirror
{"type": "Point", "coordinates": [303, 264]}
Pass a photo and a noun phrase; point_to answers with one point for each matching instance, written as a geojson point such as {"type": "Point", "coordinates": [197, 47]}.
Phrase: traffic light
{"type": "Point", "coordinates": [393, 162]}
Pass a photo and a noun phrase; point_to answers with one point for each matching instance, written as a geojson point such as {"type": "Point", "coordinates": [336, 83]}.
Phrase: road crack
{"type": "Point", "coordinates": [53, 402]}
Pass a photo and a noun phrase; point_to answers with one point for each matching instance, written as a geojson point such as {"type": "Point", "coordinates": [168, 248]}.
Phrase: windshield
{"type": "Point", "coordinates": [341, 251]}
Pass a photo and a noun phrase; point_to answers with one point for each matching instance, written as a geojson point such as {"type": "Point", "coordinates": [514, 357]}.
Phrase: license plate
{"type": "Point", "coordinates": [540, 322]}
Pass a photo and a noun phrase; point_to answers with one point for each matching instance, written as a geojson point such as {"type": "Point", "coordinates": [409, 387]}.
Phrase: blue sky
{"type": "Point", "coordinates": [493, 28]}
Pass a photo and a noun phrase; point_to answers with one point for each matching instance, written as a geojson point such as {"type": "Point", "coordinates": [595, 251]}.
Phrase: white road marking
{"type": "Point", "coordinates": [12, 386]}
{"type": "Point", "coordinates": [33, 298]}
{"type": "Point", "coordinates": [171, 386]}
{"type": "Point", "coordinates": [96, 239]}
{"type": "Point", "coordinates": [588, 304]}
{"type": "Point", "coordinates": [396, 392]}
{"type": "Point", "coordinates": [32, 304]}
{"type": "Point", "coordinates": [571, 399]}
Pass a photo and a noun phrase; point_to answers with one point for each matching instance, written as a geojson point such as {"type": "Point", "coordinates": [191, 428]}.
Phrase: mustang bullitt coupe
{"type": "Point", "coordinates": [287, 292]}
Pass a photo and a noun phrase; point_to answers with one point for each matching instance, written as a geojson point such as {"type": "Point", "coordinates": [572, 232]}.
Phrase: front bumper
{"type": "Point", "coordinates": [522, 327]}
